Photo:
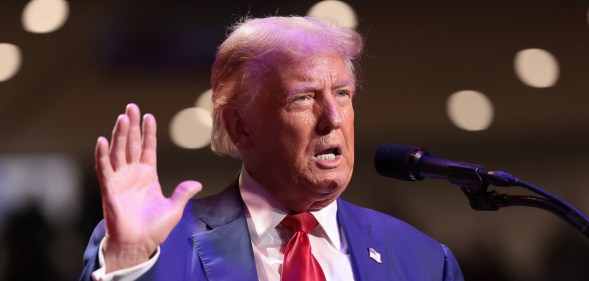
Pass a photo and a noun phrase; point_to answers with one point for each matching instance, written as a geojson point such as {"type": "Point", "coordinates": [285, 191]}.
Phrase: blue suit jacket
{"type": "Point", "coordinates": [212, 242]}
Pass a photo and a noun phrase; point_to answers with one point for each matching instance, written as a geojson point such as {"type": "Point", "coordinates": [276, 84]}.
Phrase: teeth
{"type": "Point", "coordinates": [329, 156]}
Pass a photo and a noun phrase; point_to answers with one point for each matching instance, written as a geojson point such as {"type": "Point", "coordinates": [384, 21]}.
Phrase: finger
{"type": "Point", "coordinates": [183, 192]}
{"type": "Point", "coordinates": [134, 137]}
{"type": "Point", "coordinates": [118, 148]}
{"type": "Point", "coordinates": [149, 155]}
{"type": "Point", "coordinates": [103, 167]}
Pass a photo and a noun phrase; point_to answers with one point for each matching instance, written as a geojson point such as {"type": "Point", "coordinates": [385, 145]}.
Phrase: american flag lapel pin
{"type": "Point", "coordinates": [374, 255]}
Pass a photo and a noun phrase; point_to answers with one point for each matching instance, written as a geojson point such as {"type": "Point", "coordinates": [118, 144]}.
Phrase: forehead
{"type": "Point", "coordinates": [316, 69]}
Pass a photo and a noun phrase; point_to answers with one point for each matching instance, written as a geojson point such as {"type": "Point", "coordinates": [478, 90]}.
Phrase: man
{"type": "Point", "coordinates": [283, 90]}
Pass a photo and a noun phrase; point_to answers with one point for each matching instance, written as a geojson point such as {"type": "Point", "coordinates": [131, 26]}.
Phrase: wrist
{"type": "Point", "coordinates": [119, 255]}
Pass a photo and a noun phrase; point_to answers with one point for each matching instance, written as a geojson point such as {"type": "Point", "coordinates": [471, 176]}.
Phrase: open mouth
{"type": "Point", "coordinates": [328, 154]}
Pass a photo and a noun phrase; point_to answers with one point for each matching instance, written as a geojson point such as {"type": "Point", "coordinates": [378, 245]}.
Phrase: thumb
{"type": "Point", "coordinates": [184, 191]}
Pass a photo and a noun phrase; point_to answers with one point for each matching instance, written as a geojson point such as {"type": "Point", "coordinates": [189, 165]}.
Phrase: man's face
{"type": "Point", "coordinates": [302, 133]}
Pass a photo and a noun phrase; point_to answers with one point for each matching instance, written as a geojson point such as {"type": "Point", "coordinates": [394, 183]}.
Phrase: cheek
{"type": "Point", "coordinates": [306, 120]}
{"type": "Point", "coordinates": [298, 126]}
{"type": "Point", "coordinates": [349, 132]}
{"type": "Point", "coordinates": [349, 113]}
{"type": "Point", "coordinates": [348, 116]}
{"type": "Point", "coordinates": [292, 131]}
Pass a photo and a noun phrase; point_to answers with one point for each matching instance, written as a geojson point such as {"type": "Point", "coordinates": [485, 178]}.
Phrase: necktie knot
{"type": "Point", "coordinates": [304, 222]}
{"type": "Point", "coordinates": [299, 263]}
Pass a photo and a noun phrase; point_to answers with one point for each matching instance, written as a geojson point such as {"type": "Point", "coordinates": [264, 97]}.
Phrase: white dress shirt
{"type": "Point", "coordinates": [263, 215]}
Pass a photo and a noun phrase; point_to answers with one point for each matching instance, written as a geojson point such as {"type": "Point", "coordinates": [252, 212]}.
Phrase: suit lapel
{"type": "Point", "coordinates": [360, 240]}
{"type": "Point", "coordinates": [224, 251]}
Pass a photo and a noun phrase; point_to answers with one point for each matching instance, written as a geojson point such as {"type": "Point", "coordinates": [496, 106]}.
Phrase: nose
{"type": "Point", "coordinates": [330, 117]}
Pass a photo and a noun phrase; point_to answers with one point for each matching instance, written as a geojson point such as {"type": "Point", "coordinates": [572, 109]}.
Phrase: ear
{"type": "Point", "coordinates": [236, 126]}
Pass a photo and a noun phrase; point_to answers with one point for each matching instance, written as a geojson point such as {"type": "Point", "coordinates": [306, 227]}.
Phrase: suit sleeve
{"type": "Point", "coordinates": [452, 270]}
{"type": "Point", "coordinates": [91, 262]}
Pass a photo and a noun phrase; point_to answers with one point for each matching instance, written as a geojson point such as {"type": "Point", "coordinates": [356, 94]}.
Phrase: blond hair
{"type": "Point", "coordinates": [244, 61]}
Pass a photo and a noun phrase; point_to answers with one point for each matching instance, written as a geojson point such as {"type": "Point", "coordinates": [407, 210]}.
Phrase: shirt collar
{"type": "Point", "coordinates": [266, 212]}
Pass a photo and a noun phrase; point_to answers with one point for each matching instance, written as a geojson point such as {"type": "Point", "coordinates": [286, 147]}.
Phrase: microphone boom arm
{"type": "Point", "coordinates": [413, 163]}
{"type": "Point", "coordinates": [482, 200]}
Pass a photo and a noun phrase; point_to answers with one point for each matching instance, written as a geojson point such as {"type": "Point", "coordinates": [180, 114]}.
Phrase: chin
{"type": "Point", "coordinates": [320, 204]}
{"type": "Point", "coordinates": [335, 180]}
{"type": "Point", "coordinates": [331, 190]}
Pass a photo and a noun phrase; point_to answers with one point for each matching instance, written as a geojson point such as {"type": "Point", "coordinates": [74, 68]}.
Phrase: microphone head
{"type": "Point", "coordinates": [398, 161]}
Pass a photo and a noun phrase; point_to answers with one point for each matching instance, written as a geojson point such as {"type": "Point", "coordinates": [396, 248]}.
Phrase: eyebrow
{"type": "Point", "coordinates": [344, 83]}
{"type": "Point", "coordinates": [312, 85]}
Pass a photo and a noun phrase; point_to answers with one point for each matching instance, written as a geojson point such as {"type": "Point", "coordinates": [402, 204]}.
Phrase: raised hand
{"type": "Point", "coordinates": [138, 216]}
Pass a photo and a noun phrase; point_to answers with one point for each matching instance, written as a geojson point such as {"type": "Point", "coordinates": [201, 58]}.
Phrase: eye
{"type": "Point", "coordinates": [342, 93]}
{"type": "Point", "coordinates": [303, 98]}
{"type": "Point", "coordinates": [302, 101]}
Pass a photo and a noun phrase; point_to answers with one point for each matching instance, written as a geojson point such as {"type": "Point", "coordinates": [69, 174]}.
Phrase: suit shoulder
{"type": "Point", "coordinates": [209, 212]}
{"type": "Point", "coordinates": [370, 215]}
{"type": "Point", "coordinates": [383, 224]}
{"type": "Point", "coordinates": [416, 255]}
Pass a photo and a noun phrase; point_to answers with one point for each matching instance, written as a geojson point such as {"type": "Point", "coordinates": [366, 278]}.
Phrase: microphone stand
{"type": "Point", "coordinates": [482, 200]}
{"type": "Point", "coordinates": [394, 160]}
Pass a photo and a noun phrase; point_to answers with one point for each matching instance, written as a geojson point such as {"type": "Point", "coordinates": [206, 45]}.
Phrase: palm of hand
{"type": "Point", "coordinates": [139, 211]}
{"type": "Point", "coordinates": [138, 216]}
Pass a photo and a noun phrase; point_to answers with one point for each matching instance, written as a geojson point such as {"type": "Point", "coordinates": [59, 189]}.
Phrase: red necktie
{"type": "Point", "coordinates": [299, 264]}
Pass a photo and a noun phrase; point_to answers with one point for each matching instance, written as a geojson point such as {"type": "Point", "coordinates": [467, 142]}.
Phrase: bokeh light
{"type": "Point", "coordinates": [205, 100]}
{"type": "Point", "coordinates": [339, 11]}
{"type": "Point", "coordinates": [470, 110]}
{"type": "Point", "coordinates": [10, 60]}
{"type": "Point", "coordinates": [536, 68]}
{"type": "Point", "coordinates": [191, 128]}
{"type": "Point", "coordinates": [43, 16]}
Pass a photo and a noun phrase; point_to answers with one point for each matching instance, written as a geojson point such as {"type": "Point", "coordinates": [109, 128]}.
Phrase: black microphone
{"type": "Point", "coordinates": [413, 163]}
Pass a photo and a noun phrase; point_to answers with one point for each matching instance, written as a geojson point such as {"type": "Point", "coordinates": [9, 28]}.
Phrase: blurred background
{"type": "Point", "coordinates": [503, 84]}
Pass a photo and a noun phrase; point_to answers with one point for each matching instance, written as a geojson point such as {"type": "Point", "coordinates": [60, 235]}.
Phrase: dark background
{"type": "Point", "coordinates": [74, 82]}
